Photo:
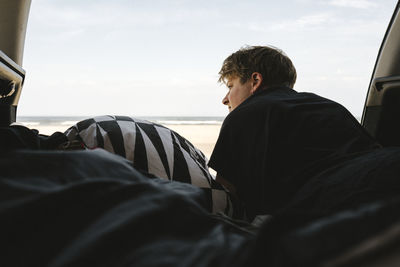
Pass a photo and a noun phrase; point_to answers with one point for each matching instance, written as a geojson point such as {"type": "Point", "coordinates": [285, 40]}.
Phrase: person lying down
{"type": "Point", "coordinates": [274, 138]}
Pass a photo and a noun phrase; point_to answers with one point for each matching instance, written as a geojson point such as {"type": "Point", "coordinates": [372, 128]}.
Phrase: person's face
{"type": "Point", "coordinates": [237, 92]}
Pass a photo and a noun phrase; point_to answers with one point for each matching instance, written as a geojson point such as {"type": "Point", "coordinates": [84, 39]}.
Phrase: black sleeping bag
{"type": "Point", "coordinates": [91, 208]}
{"type": "Point", "coordinates": [336, 209]}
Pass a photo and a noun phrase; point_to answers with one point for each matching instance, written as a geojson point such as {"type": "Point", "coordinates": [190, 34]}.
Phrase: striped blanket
{"type": "Point", "coordinates": [153, 149]}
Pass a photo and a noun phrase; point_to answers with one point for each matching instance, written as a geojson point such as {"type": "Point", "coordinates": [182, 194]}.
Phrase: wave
{"type": "Point", "coordinates": [29, 123]}
{"type": "Point", "coordinates": [69, 122]}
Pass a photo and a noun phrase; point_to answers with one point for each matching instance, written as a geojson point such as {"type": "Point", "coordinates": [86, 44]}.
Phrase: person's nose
{"type": "Point", "coordinates": [225, 100]}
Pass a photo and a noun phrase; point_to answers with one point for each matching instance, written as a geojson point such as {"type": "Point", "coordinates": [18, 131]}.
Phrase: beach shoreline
{"type": "Point", "coordinates": [202, 136]}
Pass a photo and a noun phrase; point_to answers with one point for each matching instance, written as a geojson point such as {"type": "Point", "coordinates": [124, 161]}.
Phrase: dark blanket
{"type": "Point", "coordinates": [340, 207]}
{"type": "Point", "coordinates": [367, 236]}
{"type": "Point", "coordinates": [91, 208]}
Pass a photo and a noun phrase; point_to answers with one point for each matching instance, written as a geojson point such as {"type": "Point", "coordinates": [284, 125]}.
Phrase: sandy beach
{"type": "Point", "coordinates": [201, 136]}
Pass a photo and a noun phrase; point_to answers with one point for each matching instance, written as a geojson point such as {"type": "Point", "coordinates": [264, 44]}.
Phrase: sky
{"type": "Point", "coordinates": [162, 58]}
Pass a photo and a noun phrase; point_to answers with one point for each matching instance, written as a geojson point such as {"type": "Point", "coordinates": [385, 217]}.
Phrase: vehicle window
{"type": "Point", "coordinates": [152, 58]}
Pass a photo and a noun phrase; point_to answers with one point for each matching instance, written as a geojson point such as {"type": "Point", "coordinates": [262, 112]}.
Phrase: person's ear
{"type": "Point", "coordinates": [256, 81]}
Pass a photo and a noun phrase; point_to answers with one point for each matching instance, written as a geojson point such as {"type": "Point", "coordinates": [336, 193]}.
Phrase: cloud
{"type": "Point", "coordinates": [325, 25]}
{"type": "Point", "coordinates": [363, 4]}
{"type": "Point", "coordinates": [106, 14]}
{"type": "Point", "coordinates": [313, 20]}
{"type": "Point", "coordinates": [303, 22]}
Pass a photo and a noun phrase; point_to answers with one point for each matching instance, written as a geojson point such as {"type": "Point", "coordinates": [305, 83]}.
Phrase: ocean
{"type": "Point", "coordinates": [67, 121]}
{"type": "Point", "coordinates": [200, 131]}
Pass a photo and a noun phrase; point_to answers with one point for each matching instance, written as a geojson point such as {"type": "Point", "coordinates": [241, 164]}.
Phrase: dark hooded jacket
{"type": "Point", "coordinates": [277, 139]}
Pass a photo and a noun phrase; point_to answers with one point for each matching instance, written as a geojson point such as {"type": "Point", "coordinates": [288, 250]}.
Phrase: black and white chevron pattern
{"type": "Point", "coordinates": [154, 149]}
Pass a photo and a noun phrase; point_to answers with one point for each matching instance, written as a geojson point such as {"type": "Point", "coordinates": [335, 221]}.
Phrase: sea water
{"type": "Point", "coordinates": [67, 121]}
